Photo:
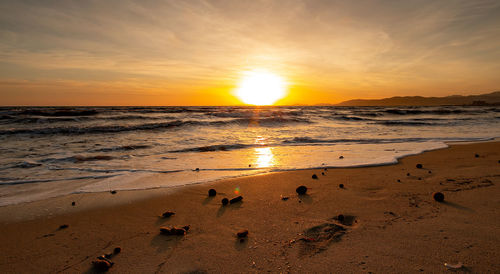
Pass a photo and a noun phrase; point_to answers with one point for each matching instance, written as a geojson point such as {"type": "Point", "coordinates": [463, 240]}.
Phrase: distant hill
{"type": "Point", "coordinates": [483, 99]}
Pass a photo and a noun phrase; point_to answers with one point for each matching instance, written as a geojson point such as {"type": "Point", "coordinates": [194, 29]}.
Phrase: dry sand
{"type": "Point", "coordinates": [389, 226]}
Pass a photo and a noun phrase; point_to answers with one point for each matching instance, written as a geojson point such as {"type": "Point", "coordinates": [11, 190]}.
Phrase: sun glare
{"type": "Point", "coordinates": [260, 87]}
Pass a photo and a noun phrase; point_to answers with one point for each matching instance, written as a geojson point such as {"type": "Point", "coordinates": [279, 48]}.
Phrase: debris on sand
{"type": "Point", "coordinates": [399, 181]}
{"type": "Point", "coordinates": [113, 191]}
{"type": "Point", "coordinates": [212, 192]}
{"type": "Point", "coordinates": [476, 155]}
{"type": "Point", "coordinates": [322, 173]}
{"type": "Point", "coordinates": [284, 198]}
{"type": "Point", "coordinates": [408, 174]}
{"type": "Point", "coordinates": [197, 169]}
{"type": "Point", "coordinates": [235, 200]}
{"type": "Point", "coordinates": [301, 190]}
{"type": "Point", "coordinates": [341, 157]}
{"type": "Point", "coordinates": [438, 196]}
{"type": "Point", "coordinates": [341, 185]}
{"type": "Point", "coordinates": [430, 172]}
{"type": "Point", "coordinates": [242, 233]}
{"type": "Point", "coordinates": [102, 265]}
{"type": "Point", "coordinates": [167, 214]}
{"type": "Point", "coordinates": [419, 166]}
{"type": "Point", "coordinates": [63, 226]}
{"type": "Point", "coordinates": [326, 169]}
{"type": "Point", "coordinates": [225, 201]}
{"type": "Point", "coordinates": [73, 203]}
{"type": "Point", "coordinates": [117, 250]}
{"type": "Point", "coordinates": [314, 176]}
{"type": "Point", "coordinates": [180, 231]}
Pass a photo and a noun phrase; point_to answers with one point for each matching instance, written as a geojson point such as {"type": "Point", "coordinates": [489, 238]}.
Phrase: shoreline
{"type": "Point", "coordinates": [156, 177]}
{"type": "Point", "coordinates": [389, 216]}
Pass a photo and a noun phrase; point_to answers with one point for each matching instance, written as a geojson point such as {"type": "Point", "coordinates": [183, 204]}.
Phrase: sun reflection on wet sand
{"type": "Point", "coordinates": [265, 157]}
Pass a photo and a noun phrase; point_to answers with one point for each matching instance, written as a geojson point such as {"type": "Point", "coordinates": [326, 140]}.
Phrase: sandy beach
{"type": "Point", "coordinates": [391, 222]}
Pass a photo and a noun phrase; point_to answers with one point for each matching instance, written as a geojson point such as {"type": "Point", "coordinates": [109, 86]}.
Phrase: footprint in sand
{"type": "Point", "coordinates": [317, 238]}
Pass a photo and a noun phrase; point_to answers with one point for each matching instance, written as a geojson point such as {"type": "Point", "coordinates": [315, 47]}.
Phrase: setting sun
{"type": "Point", "coordinates": [260, 87]}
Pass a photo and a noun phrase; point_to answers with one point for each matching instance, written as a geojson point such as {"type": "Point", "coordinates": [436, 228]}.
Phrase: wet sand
{"type": "Point", "coordinates": [388, 225]}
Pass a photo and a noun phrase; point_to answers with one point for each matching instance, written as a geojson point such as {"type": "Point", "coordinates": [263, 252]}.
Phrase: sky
{"type": "Point", "coordinates": [195, 52]}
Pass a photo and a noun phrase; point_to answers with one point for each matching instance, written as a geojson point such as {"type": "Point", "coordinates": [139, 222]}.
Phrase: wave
{"type": "Point", "coordinates": [266, 122]}
{"type": "Point", "coordinates": [78, 159]}
{"type": "Point", "coordinates": [307, 140]}
{"type": "Point", "coordinates": [121, 148]}
{"type": "Point", "coordinates": [212, 148]}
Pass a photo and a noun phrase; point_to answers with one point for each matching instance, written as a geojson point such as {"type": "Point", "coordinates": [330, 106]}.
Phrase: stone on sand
{"type": "Point", "coordinates": [301, 190]}
{"type": "Point", "coordinates": [438, 196]}
{"type": "Point", "coordinates": [212, 192]}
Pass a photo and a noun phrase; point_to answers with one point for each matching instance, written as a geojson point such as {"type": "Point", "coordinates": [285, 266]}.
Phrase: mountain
{"type": "Point", "coordinates": [483, 99]}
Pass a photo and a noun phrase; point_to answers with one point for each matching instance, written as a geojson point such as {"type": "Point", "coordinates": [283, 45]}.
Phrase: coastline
{"type": "Point", "coordinates": [409, 231]}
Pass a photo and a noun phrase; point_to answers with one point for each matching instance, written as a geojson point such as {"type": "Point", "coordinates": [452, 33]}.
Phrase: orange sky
{"type": "Point", "coordinates": [195, 52]}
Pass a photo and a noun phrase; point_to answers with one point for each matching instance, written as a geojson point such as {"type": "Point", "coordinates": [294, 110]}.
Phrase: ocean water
{"type": "Point", "coordinates": [53, 151]}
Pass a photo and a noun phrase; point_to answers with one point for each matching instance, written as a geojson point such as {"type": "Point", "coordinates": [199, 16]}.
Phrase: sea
{"type": "Point", "coordinates": [54, 151]}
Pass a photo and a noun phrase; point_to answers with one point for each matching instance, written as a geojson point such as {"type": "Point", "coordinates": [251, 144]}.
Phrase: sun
{"type": "Point", "coordinates": [261, 87]}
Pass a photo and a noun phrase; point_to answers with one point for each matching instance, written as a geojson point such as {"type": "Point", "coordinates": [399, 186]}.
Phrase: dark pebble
{"type": "Point", "coordinates": [476, 155]}
{"type": "Point", "coordinates": [399, 181]}
{"type": "Point", "coordinates": [197, 169]}
{"type": "Point", "coordinates": [438, 196]}
{"type": "Point", "coordinates": [322, 173]}
{"type": "Point", "coordinates": [73, 203]}
{"type": "Point", "coordinates": [327, 169]}
{"type": "Point", "coordinates": [225, 201]}
{"type": "Point", "coordinates": [249, 165]}
{"type": "Point", "coordinates": [341, 185]}
{"type": "Point", "coordinates": [419, 166]}
{"type": "Point", "coordinates": [63, 226]}
{"type": "Point", "coordinates": [101, 265]}
{"type": "Point", "coordinates": [113, 191]}
{"type": "Point", "coordinates": [212, 192]}
{"type": "Point", "coordinates": [314, 176]}
{"type": "Point", "coordinates": [408, 174]}
{"type": "Point", "coordinates": [301, 190]}
{"type": "Point", "coordinates": [235, 200]}
{"type": "Point", "coordinates": [341, 218]}
{"type": "Point", "coordinates": [173, 231]}
{"type": "Point", "coordinates": [341, 157]}
{"type": "Point", "coordinates": [419, 178]}
{"type": "Point", "coordinates": [430, 172]}
{"type": "Point", "coordinates": [242, 233]}
{"type": "Point", "coordinates": [117, 250]}
{"type": "Point", "coordinates": [167, 214]}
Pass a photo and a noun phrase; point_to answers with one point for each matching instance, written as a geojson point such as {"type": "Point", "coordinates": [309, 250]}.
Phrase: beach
{"type": "Point", "coordinates": [387, 225]}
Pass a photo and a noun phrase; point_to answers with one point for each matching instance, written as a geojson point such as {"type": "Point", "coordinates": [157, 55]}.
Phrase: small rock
{"type": "Point", "coordinates": [235, 200]}
{"type": "Point", "coordinates": [301, 190]}
{"type": "Point", "coordinates": [73, 203]}
{"type": "Point", "coordinates": [341, 157]}
{"type": "Point", "coordinates": [117, 250]}
{"type": "Point", "coordinates": [284, 198]}
{"type": "Point", "coordinates": [322, 173]}
{"type": "Point", "coordinates": [242, 233]}
{"type": "Point", "coordinates": [63, 226]}
{"type": "Point", "coordinates": [341, 185]}
{"type": "Point", "coordinates": [249, 165]}
{"type": "Point", "coordinates": [438, 196]}
{"type": "Point", "coordinates": [419, 178]}
{"type": "Point", "coordinates": [167, 214]}
{"type": "Point", "coordinates": [408, 174]}
{"type": "Point", "coordinates": [180, 231]}
{"type": "Point", "coordinates": [314, 176]}
{"type": "Point", "coordinates": [430, 172]}
{"type": "Point", "coordinates": [102, 265]}
{"type": "Point", "coordinates": [212, 192]}
{"type": "Point", "coordinates": [419, 166]}
{"type": "Point", "coordinates": [399, 181]}
{"type": "Point", "coordinates": [476, 155]}
{"type": "Point", "coordinates": [225, 201]}
{"type": "Point", "coordinates": [113, 191]}
{"type": "Point", "coordinates": [326, 169]}
{"type": "Point", "coordinates": [341, 218]}
{"type": "Point", "coordinates": [197, 169]}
